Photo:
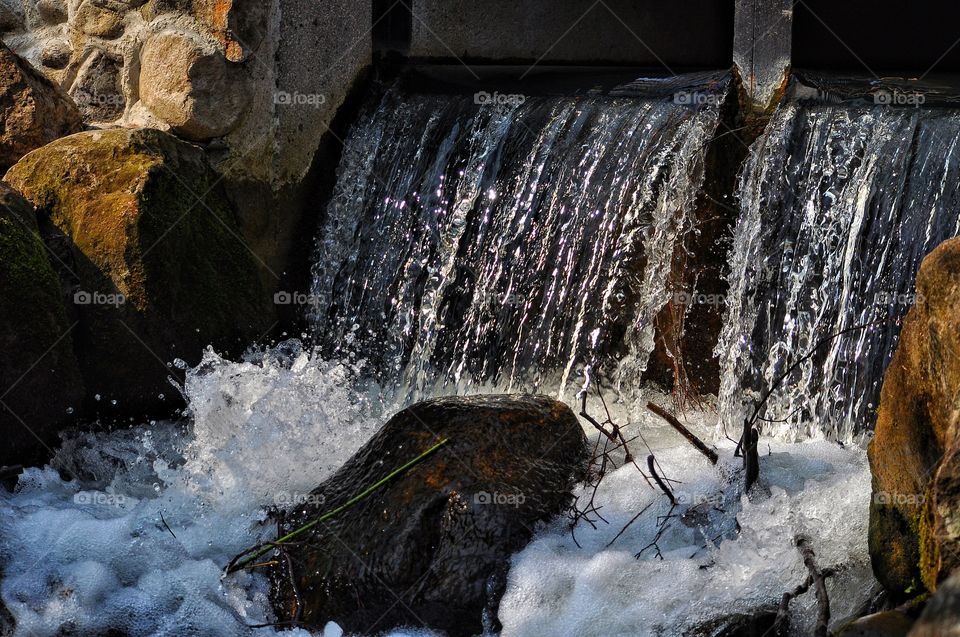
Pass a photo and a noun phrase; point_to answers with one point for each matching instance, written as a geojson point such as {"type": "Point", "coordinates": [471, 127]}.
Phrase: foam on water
{"type": "Point", "coordinates": [707, 569]}
{"type": "Point", "coordinates": [136, 532]}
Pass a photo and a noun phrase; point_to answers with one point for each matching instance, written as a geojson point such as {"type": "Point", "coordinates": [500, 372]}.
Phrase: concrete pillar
{"type": "Point", "coordinates": [761, 50]}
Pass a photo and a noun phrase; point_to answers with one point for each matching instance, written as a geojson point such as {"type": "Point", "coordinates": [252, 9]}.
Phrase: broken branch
{"type": "Point", "coordinates": [686, 433]}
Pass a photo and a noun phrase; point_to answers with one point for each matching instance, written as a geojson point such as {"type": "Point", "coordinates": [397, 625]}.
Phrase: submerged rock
{"type": "Point", "coordinates": [39, 378]}
{"type": "Point", "coordinates": [150, 245]}
{"type": "Point", "coordinates": [431, 548]}
{"type": "Point", "coordinates": [915, 509]}
{"type": "Point", "coordinates": [33, 111]}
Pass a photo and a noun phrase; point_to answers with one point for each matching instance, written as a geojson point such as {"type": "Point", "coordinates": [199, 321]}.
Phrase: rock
{"type": "Point", "coordinates": [756, 624]}
{"type": "Point", "coordinates": [888, 623]}
{"type": "Point", "coordinates": [98, 89]}
{"type": "Point", "coordinates": [92, 19]}
{"type": "Point", "coordinates": [941, 616]}
{"type": "Point", "coordinates": [10, 19]}
{"type": "Point", "coordinates": [39, 377]}
{"type": "Point", "coordinates": [52, 11]}
{"type": "Point", "coordinates": [56, 55]}
{"type": "Point", "coordinates": [239, 25]}
{"type": "Point", "coordinates": [33, 111]}
{"type": "Point", "coordinates": [440, 535]}
{"type": "Point", "coordinates": [158, 266]}
{"type": "Point", "coordinates": [190, 86]}
{"type": "Point", "coordinates": [913, 516]}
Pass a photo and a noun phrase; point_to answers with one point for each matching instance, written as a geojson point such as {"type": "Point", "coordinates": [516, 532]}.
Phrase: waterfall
{"type": "Point", "coordinates": [510, 239]}
{"type": "Point", "coordinates": [840, 201]}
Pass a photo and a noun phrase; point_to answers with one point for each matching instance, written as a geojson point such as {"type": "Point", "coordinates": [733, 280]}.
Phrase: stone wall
{"type": "Point", "coordinates": [256, 82]}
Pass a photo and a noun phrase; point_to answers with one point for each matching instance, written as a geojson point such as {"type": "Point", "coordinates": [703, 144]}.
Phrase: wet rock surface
{"type": "Point", "coordinates": [33, 111]}
{"type": "Point", "coordinates": [149, 249]}
{"type": "Point", "coordinates": [915, 509]}
{"type": "Point", "coordinates": [431, 548]}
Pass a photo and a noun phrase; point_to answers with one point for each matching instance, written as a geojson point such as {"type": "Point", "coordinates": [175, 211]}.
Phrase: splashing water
{"type": "Point", "coordinates": [840, 202]}
{"type": "Point", "coordinates": [138, 540]}
{"type": "Point", "coordinates": [533, 239]}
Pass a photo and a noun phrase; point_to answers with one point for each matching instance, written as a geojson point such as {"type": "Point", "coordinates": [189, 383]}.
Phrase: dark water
{"type": "Point", "coordinates": [839, 204]}
{"type": "Point", "coordinates": [509, 244]}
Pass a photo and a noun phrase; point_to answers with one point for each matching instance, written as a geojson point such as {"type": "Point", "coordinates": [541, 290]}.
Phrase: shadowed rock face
{"type": "Point", "coordinates": [431, 547]}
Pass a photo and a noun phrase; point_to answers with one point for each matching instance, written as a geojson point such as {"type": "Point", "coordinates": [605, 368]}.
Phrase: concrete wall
{"type": "Point", "coordinates": [685, 33]}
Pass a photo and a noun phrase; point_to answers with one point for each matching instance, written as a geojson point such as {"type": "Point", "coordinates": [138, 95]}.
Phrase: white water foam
{"type": "Point", "coordinates": [138, 542]}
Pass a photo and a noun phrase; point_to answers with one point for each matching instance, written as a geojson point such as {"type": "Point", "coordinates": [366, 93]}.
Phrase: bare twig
{"type": "Point", "coordinates": [686, 433]}
{"type": "Point", "coordinates": [817, 579]}
{"type": "Point", "coordinates": [167, 526]}
{"type": "Point", "coordinates": [663, 487]}
{"type": "Point", "coordinates": [819, 586]}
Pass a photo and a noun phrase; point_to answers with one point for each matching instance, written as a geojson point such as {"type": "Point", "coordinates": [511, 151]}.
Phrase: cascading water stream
{"type": "Point", "coordinates": [535, 239]}
{"type": "Point", "coordinates": [839, 204]}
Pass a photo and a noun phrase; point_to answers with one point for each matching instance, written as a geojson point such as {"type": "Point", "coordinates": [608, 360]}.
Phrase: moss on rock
{"type": "Point", "coordinates": [160, 267]}
{"type": "Point", "coordinates": [39, 379]}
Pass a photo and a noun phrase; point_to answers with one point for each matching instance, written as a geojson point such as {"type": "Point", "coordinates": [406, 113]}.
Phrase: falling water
{"type": "Point", "coordinates": [840, 202]}
{"type": "Point", "coordinates": [511, 243]}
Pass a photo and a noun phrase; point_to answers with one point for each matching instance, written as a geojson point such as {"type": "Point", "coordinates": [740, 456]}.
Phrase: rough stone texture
{"type": "Point", "coordinates": [675, 34]}
{"type": "Point", "coordinates": [441, 534]}
{"type": "Point", "coordinates": [263, 77]}
{"type": "Point", "coordinates": [258, 82]}
{"type": "Point", "coordinates": [941, 616]}
{"type": "Point", "coordinates": [190, 86]}
{"type": "Point", "coordinates": [32, 110]}
{"type": "Point", "coordinates": [239, 25]}
{"type": "Point", "coordinates": [98, 88]}
{"type": "Point", "coordinates": [39, 378]}
{"type": "Point", "coordinates": [142, 215]}
{"type": "Point", "coordinates": [914, 521]}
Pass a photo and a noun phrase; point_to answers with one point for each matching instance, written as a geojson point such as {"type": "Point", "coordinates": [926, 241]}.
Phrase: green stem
{"type": "Point", "coordinates": [346, 505]}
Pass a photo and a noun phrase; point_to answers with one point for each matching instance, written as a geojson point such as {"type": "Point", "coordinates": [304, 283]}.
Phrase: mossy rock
{"type": "Point", "coordinates": [152, 247]}
{"type": "Point", "coordinates": [915, 453]}
{"type": "Point", "coordinates": [40, 384]}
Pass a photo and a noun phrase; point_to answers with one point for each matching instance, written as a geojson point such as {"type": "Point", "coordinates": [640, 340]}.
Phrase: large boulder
{"type": "Point", "coordinates": [432, 546]}
{"type": "Point", "coordinates": [915, 509]}
{"type": "Point", "coordinates": [151, 246]}
{"type": "Point", "coordinates": [33, 111]}
{"type": "Point", "coordinates": [40, 384]}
